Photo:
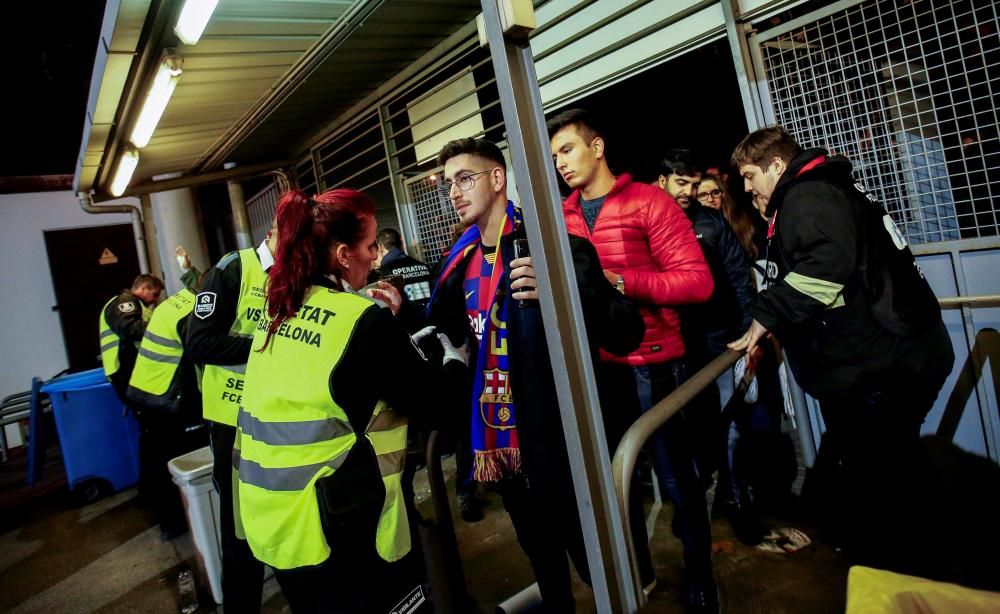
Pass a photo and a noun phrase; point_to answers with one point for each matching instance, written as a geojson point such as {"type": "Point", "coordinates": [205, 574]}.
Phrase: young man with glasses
{"type": "Point", "coordinates": [485, 295]}
{"type": "Point", "coordinates": [648, 249]}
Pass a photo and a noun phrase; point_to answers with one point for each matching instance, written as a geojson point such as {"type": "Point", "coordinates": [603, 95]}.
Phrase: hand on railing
{"type": "Point", "coordinates": [748, 342]}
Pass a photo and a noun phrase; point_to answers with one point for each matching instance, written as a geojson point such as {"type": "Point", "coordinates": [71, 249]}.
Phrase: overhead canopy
{"type": "Point", "coordinates": [263, 80]}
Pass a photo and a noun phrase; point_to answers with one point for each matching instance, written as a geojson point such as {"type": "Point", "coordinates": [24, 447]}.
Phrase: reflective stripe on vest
{"type": "Point", "coordinates": [291, 433]}
{"type": "Point", "coordinates": [160, 351]}
{"type": "Point", "coordinates": [110, 340]}
{"type": "Point", "coordinates": [222, 385]}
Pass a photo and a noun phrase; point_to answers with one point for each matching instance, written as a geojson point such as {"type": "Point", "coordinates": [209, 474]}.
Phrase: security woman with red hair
{"type": "Point", "coordinates": [322, 431]}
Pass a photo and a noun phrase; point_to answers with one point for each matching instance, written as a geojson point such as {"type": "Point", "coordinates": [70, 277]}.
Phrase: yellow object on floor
{"type": "Point", "coordinates": [874, 591]}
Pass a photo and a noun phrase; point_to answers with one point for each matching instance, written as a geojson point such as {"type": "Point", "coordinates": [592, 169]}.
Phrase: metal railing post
{"type": "Point", "coordinates": [623, 466]}
{"type": "Point", "coordinates": [615, 589]}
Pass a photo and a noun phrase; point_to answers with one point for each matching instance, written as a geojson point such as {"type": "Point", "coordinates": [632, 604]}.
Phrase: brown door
{"type": "Point", "coordinates": [89, 266]}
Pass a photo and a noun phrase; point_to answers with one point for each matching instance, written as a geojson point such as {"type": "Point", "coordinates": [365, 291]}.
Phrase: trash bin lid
{"type": "Point", "coordinates": [192, 465]}
{"type": "Point", "coordinates": [76, 381]}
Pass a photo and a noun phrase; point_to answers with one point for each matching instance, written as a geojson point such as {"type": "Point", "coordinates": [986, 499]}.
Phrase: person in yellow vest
{"type": "Point", "coordinates": [164, 389]}
{"type": "Point", "coordinates": [322, 429]}
{"type": "Point", "coordinates": [219, 333]}
{"type": "Point", "coordinates": [121, 325]}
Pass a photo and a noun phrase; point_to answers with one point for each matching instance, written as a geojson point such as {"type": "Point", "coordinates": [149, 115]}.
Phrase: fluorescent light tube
{"type": "Point", "coordinates": [193, 19]}
{"type": "Point", "coordinates": [126, 166]}
{"type": "Point", "coordinates": [156, 101]}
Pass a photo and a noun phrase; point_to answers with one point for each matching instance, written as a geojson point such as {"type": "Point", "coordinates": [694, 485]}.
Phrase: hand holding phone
{"type": "Point", "coordinates": [523, 271]}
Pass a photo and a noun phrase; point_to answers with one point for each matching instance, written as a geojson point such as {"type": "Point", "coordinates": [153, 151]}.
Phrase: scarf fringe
{"type": "Point", "coordinates": [493, 465]}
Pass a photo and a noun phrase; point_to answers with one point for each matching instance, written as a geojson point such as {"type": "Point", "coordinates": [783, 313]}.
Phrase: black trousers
{"type": "Point", "coordinates": [873, 476]}
{"type": "Point", "coordinates": [163, 437]}
{"type": "Point", "coordinates": [352, 584]}
{"type": "Point", "coordinates": [548, 529]}
{"type": "Point", "coordinates": [242, 574]}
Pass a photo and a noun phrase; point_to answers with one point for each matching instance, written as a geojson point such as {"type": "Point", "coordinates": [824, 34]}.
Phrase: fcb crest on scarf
{"type": "Point", "coordinates": [495, 401]}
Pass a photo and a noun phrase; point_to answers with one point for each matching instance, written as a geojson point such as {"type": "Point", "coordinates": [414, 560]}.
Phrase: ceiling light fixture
{"type": "Point", "coordinates": [193, 19]}
{"type": "Point", "coordinates": [126, 166]}
{"type": "Point", "coordinates": [156, 101]}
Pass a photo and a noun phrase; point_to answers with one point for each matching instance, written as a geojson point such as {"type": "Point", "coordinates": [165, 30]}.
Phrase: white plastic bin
{"type": "Point", "coordinates": [193, 475]}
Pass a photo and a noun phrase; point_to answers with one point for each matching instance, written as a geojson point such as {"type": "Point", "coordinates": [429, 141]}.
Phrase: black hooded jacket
{"type": "Point", "coordinates": [849, 299]}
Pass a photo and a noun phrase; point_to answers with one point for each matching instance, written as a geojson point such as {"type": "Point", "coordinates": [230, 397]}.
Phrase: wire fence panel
{"type": "Point", "coordinates": [907, 91]}
{"type": "Point", "coordinates": [261, 207]}
{"type": "Point", "coordinates": [433, 215]}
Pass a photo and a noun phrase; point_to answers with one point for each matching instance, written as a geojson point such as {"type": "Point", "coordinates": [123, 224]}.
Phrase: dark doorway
{"type": "Point", "coordinates": [692, 102]}
{"type": "Point", "coordinates": [89, 266]}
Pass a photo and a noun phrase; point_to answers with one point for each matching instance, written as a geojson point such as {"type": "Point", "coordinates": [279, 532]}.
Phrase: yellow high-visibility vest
{"type": "Point", "coordinates": [222, 386]}
{"type": "Point", "coordinates": [292, 433]}
{"type": "Point", "coordinates": [161, 351]}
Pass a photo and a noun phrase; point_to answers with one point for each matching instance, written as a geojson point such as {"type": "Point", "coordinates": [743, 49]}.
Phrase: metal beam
{"type": "Point", "coordinates": [190, 181]}
{"type": "Point", "coordinates": [615, 589]}
{"type": "Point", "coordinates": [736, 34]}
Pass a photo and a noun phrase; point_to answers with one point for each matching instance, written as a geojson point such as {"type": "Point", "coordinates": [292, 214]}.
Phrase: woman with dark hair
{"type": "Point", "coordinates": [323, 420]}
{"type": "Point", "coordinates": [713, 193]}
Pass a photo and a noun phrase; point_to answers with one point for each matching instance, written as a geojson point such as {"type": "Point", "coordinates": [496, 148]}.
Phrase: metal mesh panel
{"type": "Point", "coordinates": [432, 214]}
{"type": "Point", "coordinates": [907, 91]}
{"type": "Point", "coordinates": [261, 207]}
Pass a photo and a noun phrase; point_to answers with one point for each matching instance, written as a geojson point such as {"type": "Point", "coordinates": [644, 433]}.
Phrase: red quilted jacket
{"type": "Point", "coordinates": [643, 234]}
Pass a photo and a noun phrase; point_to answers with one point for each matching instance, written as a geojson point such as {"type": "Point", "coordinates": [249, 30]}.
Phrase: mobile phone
{"type": "Point", "coordinates": [521, 251]}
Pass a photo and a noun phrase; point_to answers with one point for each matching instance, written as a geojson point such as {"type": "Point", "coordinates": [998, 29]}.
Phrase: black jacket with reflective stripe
{"type": "Point", "coordinates": [830, 233]}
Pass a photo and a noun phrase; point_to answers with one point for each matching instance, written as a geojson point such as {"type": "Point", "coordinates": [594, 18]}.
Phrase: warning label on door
{"type": "Point", "coordinates": [107, 257]}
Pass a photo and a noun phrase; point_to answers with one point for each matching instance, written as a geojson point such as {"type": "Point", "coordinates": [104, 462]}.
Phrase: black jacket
{"type": "Point", "coordinates": [124, 316]}
{"type": "Point", "coordinates": [847, 300]}
{"type": "Point", "coordinates": [208, 341]}
{"type": "Point", "coordinates": [726, 315]}
{"type": "Point", "coordinates": [613, 323]}
{"type": "Point", "coordinates": [416, 286]}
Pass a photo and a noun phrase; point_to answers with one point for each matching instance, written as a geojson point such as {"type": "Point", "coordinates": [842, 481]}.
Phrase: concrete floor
{"type": "Point", "coordinates": [108, 557]}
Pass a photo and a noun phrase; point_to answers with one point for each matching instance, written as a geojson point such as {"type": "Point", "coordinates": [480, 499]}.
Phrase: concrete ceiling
{"type": "Point", "coordinates": [265, 76]}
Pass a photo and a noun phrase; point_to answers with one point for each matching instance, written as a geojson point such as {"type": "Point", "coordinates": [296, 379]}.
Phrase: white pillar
{"type": "Point", "coordinates": [178, 222]}
{"type": "Point", "coordinates": [238, 203]}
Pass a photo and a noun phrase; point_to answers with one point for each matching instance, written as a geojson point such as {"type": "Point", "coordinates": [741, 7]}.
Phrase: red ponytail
{"type": "Point", "coordinates": [307, 229]}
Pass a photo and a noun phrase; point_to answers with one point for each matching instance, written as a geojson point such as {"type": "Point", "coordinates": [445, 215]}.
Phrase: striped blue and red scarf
{"type": "Point", "coordinates": [494, 425]}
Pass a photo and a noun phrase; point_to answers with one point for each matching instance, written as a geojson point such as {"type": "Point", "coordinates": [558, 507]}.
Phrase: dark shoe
{"type": "Point", "coordinates": [701, 597]}
{"type": "Point", "coordinates": [745, 521]}
{"type": "Point", "coordinates": [469, 507]}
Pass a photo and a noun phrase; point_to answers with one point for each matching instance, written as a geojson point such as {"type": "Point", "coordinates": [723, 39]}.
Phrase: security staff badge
{"type": "Point", "coordinates": [494, 402]}
{"type": "Point", "coordinates": [205, 305]}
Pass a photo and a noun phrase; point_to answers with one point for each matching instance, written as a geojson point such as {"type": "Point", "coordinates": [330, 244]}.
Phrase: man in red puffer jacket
{"type": "Point", "coordinates": [650, 253]}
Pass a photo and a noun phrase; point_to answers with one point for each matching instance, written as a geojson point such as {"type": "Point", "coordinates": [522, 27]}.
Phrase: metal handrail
{"type": "Point", "coordinates": [441, 553]}
{"type": "Point", "coordinates": [627, 453]}
{"type": "Point", "coordinates": [951, 302]}
{"type": "Point", "coordinates": [623, 465]}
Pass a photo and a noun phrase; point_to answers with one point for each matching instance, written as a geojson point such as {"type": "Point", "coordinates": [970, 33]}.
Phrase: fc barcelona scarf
{"type": "Point", "coordinates": [494, 426]}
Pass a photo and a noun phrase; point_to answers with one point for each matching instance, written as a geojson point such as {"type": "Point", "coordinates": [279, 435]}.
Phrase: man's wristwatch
{"type": "Point", "coordinates": [620, 284]}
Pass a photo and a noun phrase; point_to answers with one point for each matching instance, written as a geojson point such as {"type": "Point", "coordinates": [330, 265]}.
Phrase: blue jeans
{"type": "Point", "coordinates": [674, 463]}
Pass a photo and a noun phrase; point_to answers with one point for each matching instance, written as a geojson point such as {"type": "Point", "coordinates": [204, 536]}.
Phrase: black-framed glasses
{"type": "Point", "coordinates": [465, 182]}
{"type": "Point", "coordinates": [710, 194]}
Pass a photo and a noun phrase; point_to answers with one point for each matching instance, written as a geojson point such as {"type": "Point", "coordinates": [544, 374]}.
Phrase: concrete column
{"type": "Point", "coordinates": [241, 217]}
{"type": "Point", "coordinates": [178, 222]}
{"type": "Point", "coordinates": [149, 229]}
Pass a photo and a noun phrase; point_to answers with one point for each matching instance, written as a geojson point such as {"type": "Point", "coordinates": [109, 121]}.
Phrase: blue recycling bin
{"type": "Point", "coordinates": [99, 440]}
